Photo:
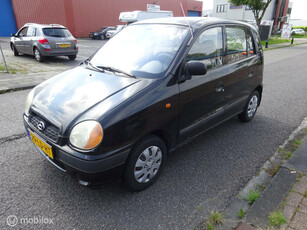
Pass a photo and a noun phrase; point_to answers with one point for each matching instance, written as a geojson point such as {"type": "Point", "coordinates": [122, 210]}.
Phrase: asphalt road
{"type": "Point", "coordinates": [199, 177]}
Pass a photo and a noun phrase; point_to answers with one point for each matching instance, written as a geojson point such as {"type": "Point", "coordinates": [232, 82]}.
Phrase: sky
{"type": "Point", "coordinates": [298, 11]}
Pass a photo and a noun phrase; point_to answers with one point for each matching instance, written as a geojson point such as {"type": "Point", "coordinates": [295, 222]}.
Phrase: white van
{"type": "Point", "coordinates": [138, 15]}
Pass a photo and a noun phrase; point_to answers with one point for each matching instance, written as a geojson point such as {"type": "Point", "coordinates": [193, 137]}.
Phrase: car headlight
{"type": "Point", "coordinates": [86, 135]}
{"type": "Point", "coordinates": [29, 101]}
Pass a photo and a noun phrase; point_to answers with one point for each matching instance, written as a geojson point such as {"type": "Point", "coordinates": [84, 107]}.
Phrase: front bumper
{"type": "Point", "coordinates": [99, 169]}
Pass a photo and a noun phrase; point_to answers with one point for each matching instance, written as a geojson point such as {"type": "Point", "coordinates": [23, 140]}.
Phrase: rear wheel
{"type": "Point", "coordinates": [38, 56]}
{"type": "Point", "coordinates": [16, 53]}
{"type": "Point", "coordinates": [250, 108]}
{"type": "Point", "coordinates": [145, 163]}
{"type": "Point", "coordinates": [72, 57]}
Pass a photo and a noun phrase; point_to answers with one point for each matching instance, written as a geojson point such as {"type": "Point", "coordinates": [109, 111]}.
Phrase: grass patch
{"type": "Point", "coordinates": [299, 36]}
{"type": "Point", "coordinates": [277, 219]}
{"type": "Point", "coordinates": [296, 143]}
{"type": "Point", "coordinates": [13, 69]}
{"type": "Point", "coordinates": [274, 170]}
{"type": "Point", "coordinates": [287, 155]}
{"type": "Point", "coordinates": [241, 213]}
{"type": "Point", "coordinates": [252, 196]}
{"type": "Point", "coordinates": [274, 40]}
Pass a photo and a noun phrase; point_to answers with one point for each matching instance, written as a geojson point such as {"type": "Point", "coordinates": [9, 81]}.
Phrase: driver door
{"type": "Point", "coordinates": [202, 97]}
{"type": "Point", "coordinates": [19, 40]}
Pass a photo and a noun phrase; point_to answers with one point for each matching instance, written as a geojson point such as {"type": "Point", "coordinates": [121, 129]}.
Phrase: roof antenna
{"type": "Point", "coordinates": [186, 20]}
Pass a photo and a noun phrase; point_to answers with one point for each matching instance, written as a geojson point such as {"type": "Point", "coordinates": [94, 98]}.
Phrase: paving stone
{"type": "Point", "coordinates": [293, 199]}
{"type": "Point", "coordinates": [288, 212]}
{"type": "Point", "coordinates": [299, 222]}
{"type": "Point", "coordinates": [300, 187]}
{"type": "Point", "coordinates": [283, 227]}
{"type": "Point", "coordinates": [303, 209]}
{"type": "Point", "coordinates": [304, 201]}
{"type": "Point", "coordinates": [304, 179]}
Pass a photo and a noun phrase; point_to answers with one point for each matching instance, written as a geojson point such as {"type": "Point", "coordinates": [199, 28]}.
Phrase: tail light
{"type": "Point", "coordinates": [76, 46]}
{"type": "Point", "coordinates": [45, 44]}
{"type": "Point", "coordinates": [43, 41]}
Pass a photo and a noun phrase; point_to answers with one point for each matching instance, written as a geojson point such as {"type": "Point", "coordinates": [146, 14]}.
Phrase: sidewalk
{"type": "Point", "coordinates": [285, 192]}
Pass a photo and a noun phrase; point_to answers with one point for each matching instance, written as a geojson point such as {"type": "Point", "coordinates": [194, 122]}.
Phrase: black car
{"type": "Point", "coordinates": [100, 33]}
{"type": "Point", "coordinates": [155, 85]}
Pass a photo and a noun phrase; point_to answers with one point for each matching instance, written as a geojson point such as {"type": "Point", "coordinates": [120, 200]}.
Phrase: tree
{"type": "Point", "coordinates": [258, 7]}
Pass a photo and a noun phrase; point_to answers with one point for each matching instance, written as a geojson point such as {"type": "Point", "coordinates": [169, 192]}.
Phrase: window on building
{"type": "Point", "coordinates": [236, 44]}
{"type": "Point", "coordinates": [208, 48]}
{"type": "Point", "coordinates": [221, 8]}
{"type": "Point", "coordinates": [289, 10]}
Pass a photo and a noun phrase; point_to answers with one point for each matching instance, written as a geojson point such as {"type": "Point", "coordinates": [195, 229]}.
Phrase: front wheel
{"type": "Point", "coordinates": [250, 108]}
{"type": "Point", "coordinates": [145, 163]}
{"type": "Point", "coordinates": [16, 53]}
{"type": "Point", "coordinates": [102, 37]}
{"type": "Point", "coordinates": [38, 56]}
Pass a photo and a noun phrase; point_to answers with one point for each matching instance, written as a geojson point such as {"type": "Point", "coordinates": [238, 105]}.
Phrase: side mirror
{"type": "Point", "coordinates": [13, 35]}
{"type": "Point", "coordinates": [195, 68]}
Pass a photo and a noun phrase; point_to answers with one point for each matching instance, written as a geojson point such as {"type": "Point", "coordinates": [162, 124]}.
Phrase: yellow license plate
{"type": "Point", "coordinates": [41, 144]}
{"type": "Point", "coordinates": [64, 45]}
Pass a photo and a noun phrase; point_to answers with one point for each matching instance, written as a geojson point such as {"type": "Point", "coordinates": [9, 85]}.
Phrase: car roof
{"type": "Point", "coordinates": [45, 25]}
{"type": "Point", "coordinates": [194, 22]}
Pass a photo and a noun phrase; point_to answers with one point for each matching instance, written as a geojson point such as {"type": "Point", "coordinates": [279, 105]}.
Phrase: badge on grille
{"type": "Point", "coordinates": [41, 126]}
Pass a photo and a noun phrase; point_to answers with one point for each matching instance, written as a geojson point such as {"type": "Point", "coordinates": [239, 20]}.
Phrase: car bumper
{"type": "Point", "coordinates": [59, 52]}
{"type": "Point", "coordinates": [99, 169]}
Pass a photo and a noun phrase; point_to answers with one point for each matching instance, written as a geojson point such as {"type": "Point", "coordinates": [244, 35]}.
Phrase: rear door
{"type": "Point", "coordinates": [240, 62]}
{"type": "Point", "coordinates": [202, 97]}
{"type": "Point", "coordinates": [60, 39]}
{"type": "Point", "coordinates": [28, 40]}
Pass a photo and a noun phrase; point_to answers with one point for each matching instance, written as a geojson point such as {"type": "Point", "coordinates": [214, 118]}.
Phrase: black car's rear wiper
{"type": "Point", "coordinates": [112, 69]}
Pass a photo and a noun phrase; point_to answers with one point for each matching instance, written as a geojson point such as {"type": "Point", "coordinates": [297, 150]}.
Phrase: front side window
{"type": "Point", "coordinates": [56, 32]}
{"type": "Point", "coordinates": [144, 50]}
{"type": "Point", "coordinates": [208, 48]}
{"type": "Point", "coordinates": [236, 43]}
{"type": "Point", "coordinates": [23, 32]}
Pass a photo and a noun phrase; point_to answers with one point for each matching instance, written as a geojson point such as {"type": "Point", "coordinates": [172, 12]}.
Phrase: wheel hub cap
{"type": "Point", "coordinates": [252, 106]}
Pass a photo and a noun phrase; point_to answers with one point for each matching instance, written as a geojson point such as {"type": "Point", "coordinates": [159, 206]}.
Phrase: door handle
{"type": "Point", "coordinates": [220, 89]}
{"type": "Point", "coordinates": [251, 74]}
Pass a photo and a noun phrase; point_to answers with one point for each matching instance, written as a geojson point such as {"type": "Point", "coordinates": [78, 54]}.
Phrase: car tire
{"type": "Point", "coordinates": [102, 37]}
{"type": "Point", "coordinates": [16, 53]}
{"type": "Point", "coordinates": [250, 108]}
{"type": "Point", "coordinates": [145, 163]}
{"type": "Point", "coordinates": [72, 57]}
{"type": "Point", "coordinates": [38, 56]}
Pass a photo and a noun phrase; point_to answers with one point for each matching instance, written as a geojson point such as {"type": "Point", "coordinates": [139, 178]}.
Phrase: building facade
{"type": "Point", "coordinates": [278, 11]}
{"type": "Point", "coordinates": [84, 16]}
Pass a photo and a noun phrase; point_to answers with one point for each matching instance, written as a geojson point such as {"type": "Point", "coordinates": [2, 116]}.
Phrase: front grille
{"type": "Point", "coordinates": [50, 130]}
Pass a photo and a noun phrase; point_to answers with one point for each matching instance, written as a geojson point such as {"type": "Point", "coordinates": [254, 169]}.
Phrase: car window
{"type": "Point", "coordinates": [37, 32]}
{"type": "Point", "coordinates": [23, 32]}
{"type": "Point", "coordinates": [56, 32]}
{"type": "Point", "coordinates": [31, 32]}
{"type": "Point", "coordinates": [236, 43]}
{"type": "Point", "coordinates": [250, 44]}
{"type": "Point", "coordinates": [208, 48]}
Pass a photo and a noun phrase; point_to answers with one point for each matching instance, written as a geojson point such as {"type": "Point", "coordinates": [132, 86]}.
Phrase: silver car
{"type": "Point", "coordinates": [44, 40]}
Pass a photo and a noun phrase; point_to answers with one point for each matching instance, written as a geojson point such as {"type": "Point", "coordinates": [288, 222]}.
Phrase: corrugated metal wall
{"type": "Point", "coordinates": [84, 16]}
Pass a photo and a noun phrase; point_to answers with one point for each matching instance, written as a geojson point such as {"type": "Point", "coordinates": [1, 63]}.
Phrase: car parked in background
{"type": "Point", "coordinates": [116, 29]}
{"type": "Point", "coordinates": [44, 40]}
{"type": "Point", "coordinates": [100, 33]}
{"type": "Point", "coordinates": [297, 31]}
{"type": "Point", "coordinates": [154, 86]}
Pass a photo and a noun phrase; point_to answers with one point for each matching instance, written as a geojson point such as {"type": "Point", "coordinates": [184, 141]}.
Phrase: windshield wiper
{"type": "Point", "coordinates": [114, 70]}
{"type": "Point", "coordinates": [92, 66]}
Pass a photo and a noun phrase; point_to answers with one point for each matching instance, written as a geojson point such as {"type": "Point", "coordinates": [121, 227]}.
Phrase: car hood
{"type": "Point", "coordinates": [72, 93]}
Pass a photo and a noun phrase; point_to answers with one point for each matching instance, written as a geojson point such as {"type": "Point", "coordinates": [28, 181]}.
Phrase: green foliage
{"type": "Point", "coordinates": [296, 143]}
{"type": "Point", "coordinates": [241, 213]}
{"type": "Point", "coordinates": [272, 171]}
{"type": "Point", "coordinates": [273, 41]}
{"type": "Point", "coordinates": [277, 219]}
{"type": "Point", "coordinates": [210, 227]}
{"type": "Point", "coordinates": [252, 196]}
{"type": "Point", "coordinates": [215, 218]}
{"type": "Point", "coordinates": [288, 155]}
{"type": "Point", "coordinates": [253, 4]}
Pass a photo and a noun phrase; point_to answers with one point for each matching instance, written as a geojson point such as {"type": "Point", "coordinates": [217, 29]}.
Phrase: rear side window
{"type": "Point", "coordinates": [56, 32]}
{"type": "Point", "coordinates": [208, 48]}
{"type": "Point", "coordinates": [31, 32]}
{"type": "Point", "coordinates": [236, 44]}
{"type": "Point", "coordinates": [250, 44]}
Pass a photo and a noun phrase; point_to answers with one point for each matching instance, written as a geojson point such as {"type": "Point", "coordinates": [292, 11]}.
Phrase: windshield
{"type": "Point", "coordinates": [56, 32]}
{"type": "Point", "coordinates": [142, 50]}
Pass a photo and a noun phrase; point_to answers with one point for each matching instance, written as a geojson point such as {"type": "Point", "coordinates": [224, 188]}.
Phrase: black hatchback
{"type": "Point", "coordinates": [154, 85]}
{"type": "Point", "coordinates": [101, 33]}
